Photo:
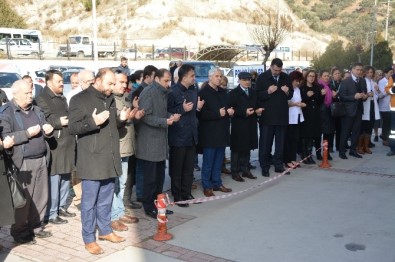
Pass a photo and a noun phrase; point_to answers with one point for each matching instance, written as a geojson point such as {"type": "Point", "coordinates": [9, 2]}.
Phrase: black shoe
{"type": "Point", "coordinates": [376, 139]}
{"type": "Point", "coordinates": [169, 212]}
{"type": "Point", "coordinates": [319, 156]}
{"type": "Point", "coordinates": [43, 234]}
{"type": "Point", "coordinates": [134, 205]}
{"type": "Point", "coordinates": [281, 170]}
{"type": "Point", "coordinates": [57, 221]}
{"type": "Point", "coordinates": [152, 213]}
{"type": "Point", "coordinates": [312, 160]}
{"type": "Point", "coordinates": [354, 154]}
{"type": "Point", "coordinates": [371, 145]}
{"type": "Point", "coordinates": [64, 213]}
{"type": "Point", "coordinates": [28, 240]}
{"type": "Point", "coordinates": [346, 146]}
{"type": "Point", "coordinates": [343, 156]}
{"type": "Point", "coordinates": [183, 205]}
{"type": "Point", "coordinates": [265, 173]}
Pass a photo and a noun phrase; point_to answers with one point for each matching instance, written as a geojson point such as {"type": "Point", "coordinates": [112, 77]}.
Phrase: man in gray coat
{"type": "Point", "coordinates": [93, 118]}
{"type": "Point", "coordinates": [151, 141]}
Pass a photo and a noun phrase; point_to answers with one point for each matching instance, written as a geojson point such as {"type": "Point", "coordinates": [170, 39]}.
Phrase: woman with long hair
{"type": "Point", "coordinates": [313, 96]}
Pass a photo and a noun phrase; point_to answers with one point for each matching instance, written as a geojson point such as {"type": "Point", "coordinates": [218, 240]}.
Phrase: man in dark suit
{"type": "Point", "coordinates": [244, 135]}
{"type": "Point", "coordinates": [352, 92]}
{"type": "Point", "coordinates": [273, 88]}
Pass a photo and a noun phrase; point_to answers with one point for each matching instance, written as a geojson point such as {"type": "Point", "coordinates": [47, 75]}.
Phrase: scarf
{"type": "Point", "coordinates": [328, 95]}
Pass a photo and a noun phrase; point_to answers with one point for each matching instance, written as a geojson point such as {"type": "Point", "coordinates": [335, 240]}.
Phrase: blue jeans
{"type": "Point", "coordinates": [96, 208]}
{"type": "Point", "coordinates": [59, 186]}
{"type": "Point", "coordinates": [211, 167]}
{"type": "Point", "coordinates": [118, 208]}
{"type": "Point", "coordinates": [139, 179]}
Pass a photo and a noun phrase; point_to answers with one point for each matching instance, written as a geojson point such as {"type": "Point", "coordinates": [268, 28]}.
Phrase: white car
{"type": "Point", "coordinates": [19, 47]}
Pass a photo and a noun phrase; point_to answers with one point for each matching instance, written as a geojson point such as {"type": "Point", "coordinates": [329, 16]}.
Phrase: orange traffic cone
{"type": "Point", "coordinates": [325, 161]}
{"type": "Point", "coordinates": [161, 203]}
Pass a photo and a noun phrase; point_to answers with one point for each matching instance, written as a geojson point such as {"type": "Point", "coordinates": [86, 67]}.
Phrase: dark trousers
{"type": "Point", "coordinates": [353, 125]}
{"type": "Point", "coordinates": [267, 134]}
{"type": "Point", "coordinates": [33, 176]}
{"type": "Point", "coordinates": [131, 179]}
{"type": "Point", "coordinates": [338, 127]}
{"type": "Point", "coordinates": [367, 125]}
{"type": "Point", "coordinates": [386, 127]}
{"type": "Point", "coordinates": [239, 161]}
{"type": "Point", "coordinates": [96, 205]}
{"type": "Point", "coordinates": [154, 177]}
{"type": "Point", "coordinates": [291, 143]}
{"type": "Point", "coordinates": [392, 131]}
{"type": "Point", "coordinates": [181, 164]}
{"type": "Point", "coordinates": [329, 138]}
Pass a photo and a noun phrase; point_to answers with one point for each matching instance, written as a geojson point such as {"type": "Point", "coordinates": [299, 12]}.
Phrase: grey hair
{"type": "Point", "coordinates": [213, 70]}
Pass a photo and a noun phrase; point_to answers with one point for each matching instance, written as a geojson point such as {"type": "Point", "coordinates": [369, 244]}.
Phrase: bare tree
{"type": "Point", "coordinates": [268, 31]}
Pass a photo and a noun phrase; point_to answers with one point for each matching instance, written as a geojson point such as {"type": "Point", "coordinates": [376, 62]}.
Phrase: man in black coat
{"type": "Point", "coordinates": [213, 132]}
{"type": "Point", "coordinates": [244, 135]}
{"type": "Point", "coordinates": [183, 135]}
{"type": "Point", "coordinates": [273, 88]}
{"type": "Point", "coordinates": [62, 146]}
{"type": "Point", "coordinates": [352, 92]}
{"type": "Point", "coordinates": [93, 118]}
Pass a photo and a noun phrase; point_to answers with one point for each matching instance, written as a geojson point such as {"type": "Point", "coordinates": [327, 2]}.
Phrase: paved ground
{"type": "Point", "coordinates": [345, 213]}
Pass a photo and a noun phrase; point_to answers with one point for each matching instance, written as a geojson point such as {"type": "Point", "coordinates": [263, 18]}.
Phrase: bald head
{"type": "Point", "coordinates": [22, 93]}
{"type": "Point", "coordinates": [86, 78]}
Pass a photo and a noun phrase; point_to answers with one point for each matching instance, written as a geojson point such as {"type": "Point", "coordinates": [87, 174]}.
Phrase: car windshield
{"type": "Point", "coordinates": [7, 79]}
{"type": "Point", "coordinates": [201, 70]}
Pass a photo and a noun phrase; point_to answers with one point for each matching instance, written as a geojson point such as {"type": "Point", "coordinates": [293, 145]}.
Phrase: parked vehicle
{"type": "Point", "coordinates": [132, 54]}
{"type": "Point", "coordinates": [174, 52]}
{"type": "Point", "coordinates": [6, 81]}
{"type": "Point", "coordinates": [201, 70]}
{"type": "Point", "coordinates": [19, 47]}
{"type": "Point", "coordinates": [32, 35]}
{"type": "Point", "coordinates": [63, 68]}
{"type": "Point", "coordinates": [81, 46]}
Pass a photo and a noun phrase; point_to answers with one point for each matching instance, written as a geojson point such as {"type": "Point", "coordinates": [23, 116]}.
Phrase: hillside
{"type": "Point", "coordinates": [194, 24]}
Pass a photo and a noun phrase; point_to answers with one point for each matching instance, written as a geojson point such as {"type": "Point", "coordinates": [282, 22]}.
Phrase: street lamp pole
{"type": "Point", "coordinates": [373, 36]}
{"type": "Point", "coordinates": [95, 54]}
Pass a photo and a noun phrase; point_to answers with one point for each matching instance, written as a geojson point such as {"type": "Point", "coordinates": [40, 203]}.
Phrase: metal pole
{"type": "Point", "coordinates": [94, 21]}
{"type": "Point", "coordinates": [373, 36]}
{"type": "Point", "coordinates": [386, 22]}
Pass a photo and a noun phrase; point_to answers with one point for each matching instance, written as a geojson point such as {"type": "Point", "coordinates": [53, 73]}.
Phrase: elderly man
{"type": "Point", "coordinates": [244, 135]}
{"type": "Point", "coordinates": [74, 82]}
{"type": "Point", "coordinates": [93, 117]}
{"type": "Point", "coordinates": [85, 79]}
{"type": "Point", "coordinates": [151, 139]}
{"type": "Point", "coordinates": [26, 123]}
{"type": "Point", "coordinates": [213, 132]}
{"type": "Point", "coordinates": [62, 146]}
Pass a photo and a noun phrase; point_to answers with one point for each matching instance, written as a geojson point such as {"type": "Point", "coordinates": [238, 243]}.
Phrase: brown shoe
{"type": "Point", "coordinates": [223, 189]}
{"type": "Point", "coordinates": [112, 237]}
{"type": "Point", "coordinates": [238, 178]}
{"type": "Point", "coordinates": [94, 248]}
{"type": "Point", "coordinates": [386, 143]}
{"type": "Point", "coordinates": [117, 225]}
{"type": "Point", "coordinates": [248, 175]}
{"type": "Point", "coordinates": [194, 185]}
{"type": "Point", "coordinates": [208, 192]}
{"type": "Point", "coordinates": [226, 171]}
{"type": "Point", "coordinates": [129, 219]}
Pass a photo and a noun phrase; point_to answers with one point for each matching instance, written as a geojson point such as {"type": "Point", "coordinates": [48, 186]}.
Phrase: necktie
{"type": "Point", "coordinates": [275, 78]}
{"type": "Point", "coordinates": [357, 80]}
{"type": "Point", "coordinates": [246, 90]}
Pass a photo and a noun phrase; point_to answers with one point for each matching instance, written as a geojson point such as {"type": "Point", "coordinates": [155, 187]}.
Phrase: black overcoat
{"type": "Point", "coordinates": [62, 143]}
{"type": "Point", "coordinates": [98, 155]}
{"type": "Point", "coordinates": [243, 135]}
{"type": "Point", "coordinates": [7, 209]}
{"type": "Point", "coordinates": [311, 126]}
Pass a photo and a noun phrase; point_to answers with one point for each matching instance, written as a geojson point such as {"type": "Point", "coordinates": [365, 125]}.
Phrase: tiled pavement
{"type": "Point", "coordinates": [66, 243]}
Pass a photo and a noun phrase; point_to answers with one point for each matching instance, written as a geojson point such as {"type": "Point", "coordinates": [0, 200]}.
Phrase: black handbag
{"type": "Point", "coordinates": [338, 109]}
{"type": "Point", "coordinates": [17, 192]}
